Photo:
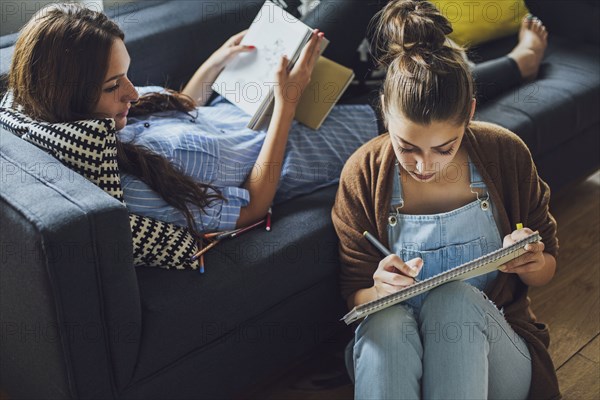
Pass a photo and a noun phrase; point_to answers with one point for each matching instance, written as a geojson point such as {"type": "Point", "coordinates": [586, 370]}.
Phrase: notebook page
{"type": "Point", "coordinates": [248, 79]}
{"type": "Point", "coordinates": [476, 267]}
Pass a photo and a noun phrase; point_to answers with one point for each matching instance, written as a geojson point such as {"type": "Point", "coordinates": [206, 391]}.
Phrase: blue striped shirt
{"type": "Point", "coordinates": [212, 145]}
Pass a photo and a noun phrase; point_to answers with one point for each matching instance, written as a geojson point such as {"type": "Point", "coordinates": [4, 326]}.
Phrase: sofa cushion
{"type": "Point", "coordinates": [251, 355]}
{"type": "Point", "coordinates": [479, 22]}
{"type": "Point", "coordinates": [245, 277]}
{"type": "Point", "coordinates": [559, 104]}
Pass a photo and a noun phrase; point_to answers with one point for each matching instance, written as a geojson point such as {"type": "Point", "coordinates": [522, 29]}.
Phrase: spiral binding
{"type": "Point", "coordinates": [438, 279]}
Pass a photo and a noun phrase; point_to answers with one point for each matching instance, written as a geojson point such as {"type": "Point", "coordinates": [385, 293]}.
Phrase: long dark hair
{"type": "Point", "coordinates": [428, 78]}
{"type": "Point", "coordinates": [56, 75]}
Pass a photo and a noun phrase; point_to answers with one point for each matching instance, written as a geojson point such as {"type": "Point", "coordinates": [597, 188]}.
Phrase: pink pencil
{"type": "Point", "coordinates": [246, 229]}
{"type": "Point", "coordinates": [268, 227]}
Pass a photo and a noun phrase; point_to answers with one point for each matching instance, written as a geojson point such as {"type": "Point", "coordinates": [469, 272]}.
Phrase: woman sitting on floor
{"type": "Point", "coordinates": [441, 190]}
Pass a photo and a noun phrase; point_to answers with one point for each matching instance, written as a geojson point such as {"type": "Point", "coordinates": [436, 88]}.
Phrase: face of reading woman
{"type": "Point", "coordinates": [425, 151]}
{"type": "Point", "coordinates": [117, 91]}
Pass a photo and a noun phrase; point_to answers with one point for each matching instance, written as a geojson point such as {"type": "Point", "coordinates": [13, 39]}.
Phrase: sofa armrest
{"type": "Point", "coordinates": [69, 297]}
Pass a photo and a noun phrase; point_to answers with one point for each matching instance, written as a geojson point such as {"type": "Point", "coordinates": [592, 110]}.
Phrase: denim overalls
{"type": "Point", "coordinates": [447, 239]}
{"type": "Point", "coordinates": [441, 347]}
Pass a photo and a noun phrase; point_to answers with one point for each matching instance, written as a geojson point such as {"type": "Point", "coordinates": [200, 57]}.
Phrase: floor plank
{"type": "Point", "coordinates": [572, 298]}
{"type": "Point", "coordinates": [592, 350]}
{"type": "Point", "coordinates": [579, 379]}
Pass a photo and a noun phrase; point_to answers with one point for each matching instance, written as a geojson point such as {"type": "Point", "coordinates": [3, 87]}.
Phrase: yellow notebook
{"type": "Point", "coordinates": [328, 82]}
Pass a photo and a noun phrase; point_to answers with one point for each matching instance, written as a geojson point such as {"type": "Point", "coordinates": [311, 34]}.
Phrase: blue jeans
{"type": "Point", "coordinates": [458, 347]}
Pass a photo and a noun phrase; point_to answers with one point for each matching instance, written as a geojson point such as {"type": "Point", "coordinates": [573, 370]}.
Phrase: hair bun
{"type": "Point", "coordinates": [409, 27]}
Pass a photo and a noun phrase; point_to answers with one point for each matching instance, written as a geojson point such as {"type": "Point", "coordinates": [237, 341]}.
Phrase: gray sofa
{"type": "Point", "coordinates": [78, 321]}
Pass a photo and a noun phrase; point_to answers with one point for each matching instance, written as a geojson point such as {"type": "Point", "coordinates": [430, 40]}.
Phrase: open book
{"type": "Point", "coordinates": [249, 79]}
{"type": "Point", "coordinates": [479, 266]}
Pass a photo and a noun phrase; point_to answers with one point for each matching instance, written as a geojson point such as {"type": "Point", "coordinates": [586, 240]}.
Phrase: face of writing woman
{"type": "Point", "coordinates": [117, 90]}
{"type": "Point", "coordinates": [425, 151]}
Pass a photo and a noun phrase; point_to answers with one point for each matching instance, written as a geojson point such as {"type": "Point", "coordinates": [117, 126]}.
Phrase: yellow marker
{"type": "Point", "coordinates": [519, 226]}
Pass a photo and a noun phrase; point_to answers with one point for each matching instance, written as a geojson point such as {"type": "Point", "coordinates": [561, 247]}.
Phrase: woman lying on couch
{"type": "Point", "coordinates": [181, 161]}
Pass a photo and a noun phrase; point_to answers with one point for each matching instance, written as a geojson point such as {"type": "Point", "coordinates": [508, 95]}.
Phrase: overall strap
{"type": "Point", "coordinates": [397, 200]}
{"type": "Point", "coordinates": [476, 179]}
{"type": "Point", "coordinates": [478, 183]}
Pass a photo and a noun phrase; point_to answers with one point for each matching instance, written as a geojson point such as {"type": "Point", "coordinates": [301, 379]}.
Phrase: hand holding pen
{"type": "Point", "coordinates": [393, 274]}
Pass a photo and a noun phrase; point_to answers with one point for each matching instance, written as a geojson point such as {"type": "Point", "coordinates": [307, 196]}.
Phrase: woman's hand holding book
{"type": "Point", "coordinates": [535, 268]}
{"type": "Point", "coordinates": [199, 87]}
{"type": "Point", "coordinates": [228, 51]}
{"type": "Point", "coordinates": [290, 83]}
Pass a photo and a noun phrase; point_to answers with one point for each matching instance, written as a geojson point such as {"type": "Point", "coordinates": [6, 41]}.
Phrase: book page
{"type": "Point", "coordinates": [248, 79]}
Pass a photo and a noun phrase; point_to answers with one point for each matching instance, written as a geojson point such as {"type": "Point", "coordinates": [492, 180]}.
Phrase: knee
{"type": "Point", "coordinates": [387, 326]}
{"type": "Point", "coordinates": [386, 337]}
{"type": "Point", "coordinates": [452, 300]}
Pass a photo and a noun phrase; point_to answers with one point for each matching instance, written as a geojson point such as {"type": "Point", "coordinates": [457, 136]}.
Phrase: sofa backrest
{"type": "Point", "coordinates": [168, 40]}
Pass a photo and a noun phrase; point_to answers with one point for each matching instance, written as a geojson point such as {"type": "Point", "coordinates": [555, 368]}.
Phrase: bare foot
{"type": "Point", "coordinates": [533, 39]}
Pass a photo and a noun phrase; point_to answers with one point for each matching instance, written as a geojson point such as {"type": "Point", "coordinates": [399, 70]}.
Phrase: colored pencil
{"type": "Point", "coordinates": [213, 234]}
{"type": "Point", "coordinates": [226, 235]}
{"type": "Point", "coordinates": [268, 227]}
{"type": "Point", "coordinates": [246, 229]}
{"type": "Point", "coordinates": [204, 250]}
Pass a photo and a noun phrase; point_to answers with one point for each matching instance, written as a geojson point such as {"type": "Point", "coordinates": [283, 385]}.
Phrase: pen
{"type": "Point", "coordinates": [380, 247]}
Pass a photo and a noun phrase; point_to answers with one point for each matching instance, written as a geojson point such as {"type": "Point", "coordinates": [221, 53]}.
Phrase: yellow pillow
{"type": "Point", "coordinates": [478, 21]}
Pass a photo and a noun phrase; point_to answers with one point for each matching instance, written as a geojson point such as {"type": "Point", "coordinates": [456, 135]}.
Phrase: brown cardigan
{"type": "Point", "coordinates": [520, 195]}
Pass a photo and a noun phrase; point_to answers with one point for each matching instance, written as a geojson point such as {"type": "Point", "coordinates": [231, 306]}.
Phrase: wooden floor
{"type": "Point", "coordinates": [569, 304]}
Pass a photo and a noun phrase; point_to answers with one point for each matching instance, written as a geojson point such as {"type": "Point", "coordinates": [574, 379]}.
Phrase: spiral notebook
{"type": "Point", "coordinates": [476, 267]}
